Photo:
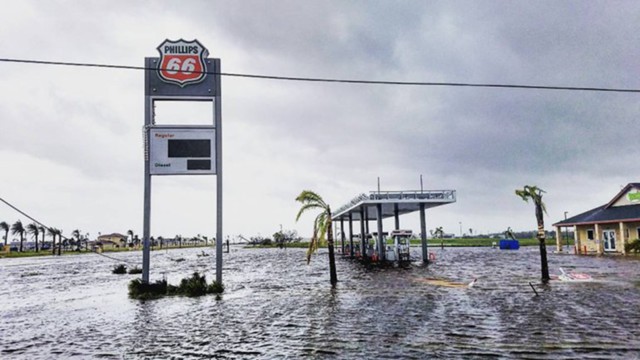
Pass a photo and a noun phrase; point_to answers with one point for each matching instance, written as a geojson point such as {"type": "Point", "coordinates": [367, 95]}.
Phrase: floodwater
{"type": "Point", "coordinates": [277, 306]}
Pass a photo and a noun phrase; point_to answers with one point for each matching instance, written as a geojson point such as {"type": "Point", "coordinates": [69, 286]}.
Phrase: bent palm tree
{"type": "Point", "coordinates": [18, 229]}
{"type": "Point", "coordinates": [34, 230]}
{"type": "Point", "coordinates": [76, 234]}
{"type": "Point", "coordinates": [43, 231]}
{"type": "Point", "coordinates": [53, 232]}
{"type": "Point", "coordinates": [4, 226]}
{"type": "Point", "coordinates": [534, 193]}
{"type": "Point", "coordinates": [321, 228]}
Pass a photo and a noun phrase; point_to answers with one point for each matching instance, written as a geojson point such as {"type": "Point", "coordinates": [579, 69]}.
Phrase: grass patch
{"type": "Point", "coordinates": [119, 269]}
{"type": "Point", "coordinates": [193, 286]}
{"type": "Point", "coordinates": [17, 254]}
{"type": "Point", "coordinates": [479, 242]}
{"type": "Point", "coordinates": [454, 242]}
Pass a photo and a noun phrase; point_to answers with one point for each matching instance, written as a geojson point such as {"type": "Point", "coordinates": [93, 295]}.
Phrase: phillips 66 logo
{"type": "Point", "coordinates": [182, 62]}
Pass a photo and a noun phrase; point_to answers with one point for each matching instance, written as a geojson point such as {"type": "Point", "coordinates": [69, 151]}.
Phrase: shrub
{"type": "Point", "coordinates": [135, 270]}
{"type": "Point", "coordinates": [632, 246]}
{"type": "Point", "coordinates": [215, 288]}
{"type": "Point", "coordinates": [120, 269]}
{"type": "Point", "coordinates": [196, 285]}
{"type": "Point", "coordinates": [142, 291]}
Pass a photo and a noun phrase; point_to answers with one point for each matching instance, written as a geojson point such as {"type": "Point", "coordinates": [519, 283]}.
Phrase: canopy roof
{"type": "Point", "coordinates": [404, 201]}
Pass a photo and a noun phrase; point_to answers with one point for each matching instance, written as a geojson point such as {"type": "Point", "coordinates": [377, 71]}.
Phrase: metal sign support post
{"type": "Point", "coordinates": [146, 224]}
{"type": "Point", "coordinates": [217, 103]}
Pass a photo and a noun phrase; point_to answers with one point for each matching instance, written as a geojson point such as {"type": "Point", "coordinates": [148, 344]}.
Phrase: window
{"type": "Point", "coordinates": [638, 233]}
{"type": "Point", "coordinates": [590, 234]}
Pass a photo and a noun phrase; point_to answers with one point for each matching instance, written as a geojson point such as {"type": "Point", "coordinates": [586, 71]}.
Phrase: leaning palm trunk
{"type": "Point", "coordinates": [543, 246]}
{"type": "Point", "coordinates": [535, 193]}
{"type": "Point", "coordinates": [332, 259]}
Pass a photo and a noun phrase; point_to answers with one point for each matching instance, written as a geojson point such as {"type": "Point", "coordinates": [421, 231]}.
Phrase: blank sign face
{"type": "Point", "coordinates": [189, 148]}
{"type": "Point", "coordinates": [182, 150]}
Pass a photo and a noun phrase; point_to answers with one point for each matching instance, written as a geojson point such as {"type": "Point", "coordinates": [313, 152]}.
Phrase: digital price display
{"type": "Point", "coordinates": [180, 150]}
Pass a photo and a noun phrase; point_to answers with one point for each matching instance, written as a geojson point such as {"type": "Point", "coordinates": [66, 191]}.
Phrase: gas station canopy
{"type": "Point", "coordinates": [393, 202]}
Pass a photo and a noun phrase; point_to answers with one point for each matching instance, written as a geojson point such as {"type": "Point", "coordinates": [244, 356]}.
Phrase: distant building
{"type": "Point", "coordinates": [607, 228]}
{"type": "Point", "coordinates": [112, 240]}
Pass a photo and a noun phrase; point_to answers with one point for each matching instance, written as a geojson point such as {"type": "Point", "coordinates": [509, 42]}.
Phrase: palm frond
{"type": "Point", "coordinates": [306, 207]}
{"type": "Point", "coordinates": [313, 244]}
{"type": "Point", "coordinates": [308, 196]}
{"type": "Point", "coordinates": [532, 192]}
{"type": "Point", "coordinates": [321, 221]}
{"type": "Point", "coordinates": [17, 228]}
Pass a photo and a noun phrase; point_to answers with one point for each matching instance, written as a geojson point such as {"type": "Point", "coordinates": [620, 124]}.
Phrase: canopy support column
{"type": "Point", "coordinates": [423, 235]}
{"type": "Point", "coordinates": [396, 215]}
{"type": "Point", "coordinates": [350, 235]}
{"type": "Point", "coordinates": [342, 238]}
{"type": "Point", "coordinates": [380, 241]}
{"type": "Point", "coordinates": [363, 236]}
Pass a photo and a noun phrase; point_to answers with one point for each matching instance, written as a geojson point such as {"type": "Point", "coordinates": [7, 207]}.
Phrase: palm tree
{"type": "Point", "coordinates": [534, 193]}
{"type": "Point", "coordinates": [76, 234]}
{"type": "Point", "coordinates": [61, 242]}
{"type": "Point", "coordinates": [34, 231]}
{"type": "Point", "coordinates": [438, 233]}
{"type": "Point", "coordinates": [53, 232]}
{"type": "Point", "coordinates": [4, 226]}
{"type": "Point", "coordinates": [130, 233]}
{"type": "Point", "coordinates": [321, 228]}
{"type": "Point", "coordinates": [18, 229]}
{"type": "Point", "coordinates": [43, 231]}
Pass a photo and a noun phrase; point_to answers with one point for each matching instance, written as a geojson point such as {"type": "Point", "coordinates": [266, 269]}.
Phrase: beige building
{"type": "Point", "coordinates": [607, 228]}
{"type": "Point", "coordinates": [112, 240]}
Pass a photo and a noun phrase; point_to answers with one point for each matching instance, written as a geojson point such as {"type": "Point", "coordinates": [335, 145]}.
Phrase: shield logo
{"type": "Point", "coordinates": [182, 62]}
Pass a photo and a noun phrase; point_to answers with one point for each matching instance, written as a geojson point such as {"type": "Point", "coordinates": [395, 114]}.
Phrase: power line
{"type": "Point", "coordinates": [48, 228]}
{"type": "Point", "coordinates": [338, 81]}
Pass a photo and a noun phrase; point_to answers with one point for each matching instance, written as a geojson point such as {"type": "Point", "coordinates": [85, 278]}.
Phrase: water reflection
{"type": "Point", "coordinates": [277, 306]}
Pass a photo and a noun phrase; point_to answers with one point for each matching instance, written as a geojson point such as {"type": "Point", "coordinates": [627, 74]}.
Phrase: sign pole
{"type": "Point", "coordinates": [146, 226]}
{"type": "Point", "coordinates": [218, 125]}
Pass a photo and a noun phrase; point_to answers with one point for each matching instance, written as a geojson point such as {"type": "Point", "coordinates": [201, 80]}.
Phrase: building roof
{"type": "Point", "coordinates": [607, 213]}
{"type": "Point", "coordinates": [623, 192]}
{"type": "Point", "coordinates": [108, 236]}
{"type": "Point", "coordinates": [604, 214]}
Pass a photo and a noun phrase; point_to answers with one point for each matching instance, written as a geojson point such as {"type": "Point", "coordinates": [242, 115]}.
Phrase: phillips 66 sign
{"type": "Point", "coordinates": [182, 62]}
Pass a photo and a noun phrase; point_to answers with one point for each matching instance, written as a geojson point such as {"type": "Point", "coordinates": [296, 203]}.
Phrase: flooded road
{"type": "Point", "coordinates": [277, 306]}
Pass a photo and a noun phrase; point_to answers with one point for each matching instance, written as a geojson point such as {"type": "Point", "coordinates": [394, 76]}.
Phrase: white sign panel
{"type": "Point", "coordinates": [182, 150]}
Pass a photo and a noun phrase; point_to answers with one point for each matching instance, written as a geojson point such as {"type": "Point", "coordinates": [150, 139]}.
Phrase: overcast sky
{"type": "Point", "coordinates": [71, 152]}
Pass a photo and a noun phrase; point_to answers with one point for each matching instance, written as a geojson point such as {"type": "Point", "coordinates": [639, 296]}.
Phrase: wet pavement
{"type": "Point", "coordinates": [277, 306]}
